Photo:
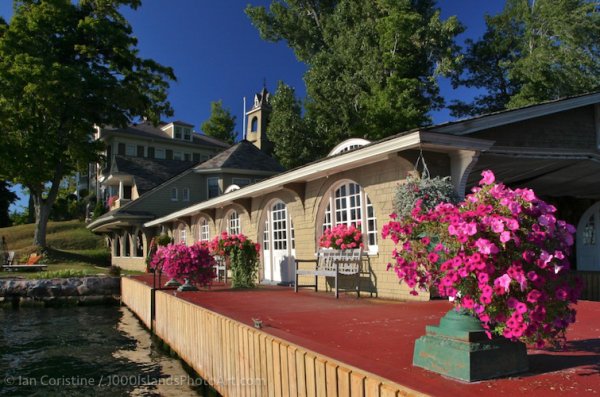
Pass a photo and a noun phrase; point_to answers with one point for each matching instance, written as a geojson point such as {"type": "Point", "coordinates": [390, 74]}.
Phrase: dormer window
{"type": "Point", "coordinates": [178, 132]}
{"type": "Point", "coordinates": [187, 134]}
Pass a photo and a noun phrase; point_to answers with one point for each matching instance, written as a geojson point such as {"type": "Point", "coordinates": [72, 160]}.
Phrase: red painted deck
{"type": "Point", "coordinates": [378, 336]}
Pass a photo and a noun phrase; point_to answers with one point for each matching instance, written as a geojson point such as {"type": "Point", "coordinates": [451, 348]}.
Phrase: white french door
{"type": "Point", "coordinates": [278, 245]}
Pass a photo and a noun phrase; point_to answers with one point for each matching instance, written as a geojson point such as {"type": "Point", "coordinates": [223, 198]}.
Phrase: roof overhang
{"type": "Point", "coordinates": [116, 178]}
{"type": "Point", "coordinates": [365, 155]}
{"type": "Point", "coordinates": [233, 171]}
{"type": "Point", "coordinates": [465, 127]}
{"type": "Point", "coordinates": [117, 221]}
{"type": "Point", "coordinates": [549, 172]}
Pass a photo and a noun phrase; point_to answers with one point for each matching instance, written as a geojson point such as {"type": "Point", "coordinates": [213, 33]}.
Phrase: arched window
{"type": "Point", "coordinates": [203, 230]}
{"type": "Point", "coordinates": [254, 124]}
{"type": "Point", "coordinates": [233, 223]}
{"type": "Point", "coordinates": [347, 205]}
{"type": "Point", "coordinates": [347, 145]}
{"type": "Point", "coordinates": [180, 234]}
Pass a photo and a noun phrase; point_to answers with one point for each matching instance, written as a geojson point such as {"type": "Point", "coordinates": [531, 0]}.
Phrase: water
{"type": "Point", "coordinates": [85, 351]}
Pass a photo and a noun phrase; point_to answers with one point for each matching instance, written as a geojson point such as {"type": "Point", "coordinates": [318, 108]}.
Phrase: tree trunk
{"type": "Point", "coordinates": [42, 213]}
{"type": "Point", "coordinates": [43, 206]}
{"type": "Point", "coordinates": [31, 212]}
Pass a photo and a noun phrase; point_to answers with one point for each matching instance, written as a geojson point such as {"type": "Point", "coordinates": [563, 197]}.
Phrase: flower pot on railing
{"type": "Point", "coordinates": [459, 348]}
{"type": "Point", "coordinates": [194, 264]}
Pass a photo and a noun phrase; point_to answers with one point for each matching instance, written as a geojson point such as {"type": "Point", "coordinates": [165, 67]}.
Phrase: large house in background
{"type": "Point", "coordinates": [160, 147]}
{"type": "Point", "coordinates": [553, 147]}
{"type": "Point", "coordinates": [147, 188]}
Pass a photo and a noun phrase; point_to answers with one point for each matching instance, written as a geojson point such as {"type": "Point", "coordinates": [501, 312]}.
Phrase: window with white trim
{"type": "Point", "coordinates": [177, 156]}
{"type": "Point", "coordinates": [266, 241]}
{"type": "Point", "coordinates": [160, 154]}
{"type": "Point", "coordinates": [212, 187]}
{"type": "Point", "coordinates": [174, 194]}
{"type": "Point", "coordinates": [130, 150]}
{"type": "Point", "coordinates": [233, 223]}
{"type": "Point", "coordinates": [347, 205]}
{"type": "Point", "coordinates": [185, 194]}
{"type": "Point", "coordinates": [204, 231]}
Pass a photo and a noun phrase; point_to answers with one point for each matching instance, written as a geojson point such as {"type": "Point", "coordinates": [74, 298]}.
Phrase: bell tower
{"type": "Point", "coordinates": [257, 120]}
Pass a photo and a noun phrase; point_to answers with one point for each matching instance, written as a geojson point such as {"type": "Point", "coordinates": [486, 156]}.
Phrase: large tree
{"type": "Point", "coordinates": [64, 67]}
{"type": "Point", "coordinates": [534, 50]}
{"type": "Point", "coordinates": [294, 144]}
{"type": "Point", "coordinates": [220, 124]}
{"type": "Point", "coordinates": [372, 64]}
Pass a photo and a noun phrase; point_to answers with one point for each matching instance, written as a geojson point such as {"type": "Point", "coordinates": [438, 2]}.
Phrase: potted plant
{"type": "Point", "coordinates": [241, 255]}
{"type": "Point", "coordinates": [500, 255]}
{"type": "Point", "coordinates": [194, 264]}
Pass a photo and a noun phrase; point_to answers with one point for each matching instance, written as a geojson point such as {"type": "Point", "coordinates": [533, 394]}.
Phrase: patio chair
{"type": "Point", "coordinates": [31, 264]}
{"type": "Point", "coordinates": [9, 259]}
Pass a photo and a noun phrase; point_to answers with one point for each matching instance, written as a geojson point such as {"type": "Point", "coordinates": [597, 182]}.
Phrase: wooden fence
{"type": "Point", "coordinates": [138, 297]}
{"type": "Point", "coordinates": [239, 360]}
{"type": "Point", "coordinates": [591, 285]}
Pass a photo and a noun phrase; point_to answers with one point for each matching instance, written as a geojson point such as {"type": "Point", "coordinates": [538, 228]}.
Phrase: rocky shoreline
{"type": "Point", "coordinates": [74, 291]}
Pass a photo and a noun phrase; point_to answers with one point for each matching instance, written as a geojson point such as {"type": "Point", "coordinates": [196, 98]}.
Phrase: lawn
{"type": "Point", "coordinates": [74, 251]}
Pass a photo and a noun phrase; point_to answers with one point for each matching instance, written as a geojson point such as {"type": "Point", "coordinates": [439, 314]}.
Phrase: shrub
{"type": "Point", "coordinates": [114, 271]}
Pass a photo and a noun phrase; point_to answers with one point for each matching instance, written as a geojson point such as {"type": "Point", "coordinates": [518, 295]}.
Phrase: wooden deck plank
{"type": "Point", "coordinates": [332, 382]}
{"type": "Point", "coordinates": [292, 374]}
{"type": "Point", "coordinates": [343, 382]}
{"type": "Point", "coordinates": [311, 375]}
{"type": "Point", "coordinates": [357, 384]}
{"type": "Point", "coordinates": [321, 377]}
{"type": "Point", "coordinates": [300, 373]}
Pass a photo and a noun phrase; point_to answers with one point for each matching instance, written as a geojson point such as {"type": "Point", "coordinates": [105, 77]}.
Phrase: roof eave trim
{"type": "Point", "coordinates": [355, 158]}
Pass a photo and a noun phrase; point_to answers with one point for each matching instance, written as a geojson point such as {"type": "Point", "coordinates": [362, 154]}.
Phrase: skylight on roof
{"type": "Point", "coordinates": [347, 145]}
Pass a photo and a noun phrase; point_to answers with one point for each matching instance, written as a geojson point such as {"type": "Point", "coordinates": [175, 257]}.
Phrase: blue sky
{"type": "Point", "coordinates": [217, 53]}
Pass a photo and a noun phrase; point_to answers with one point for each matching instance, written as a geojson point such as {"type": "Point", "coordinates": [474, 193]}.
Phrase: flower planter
{"type": "Point", "coordinates": [459, 348]}
{"type": "Point", "coordinates": [187, 286]}
{"type": "Point", "coordinates": [172, 283]}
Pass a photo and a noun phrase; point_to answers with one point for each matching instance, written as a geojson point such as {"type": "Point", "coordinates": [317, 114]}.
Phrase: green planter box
{"type": "Point", "coordinates": [459, 348]}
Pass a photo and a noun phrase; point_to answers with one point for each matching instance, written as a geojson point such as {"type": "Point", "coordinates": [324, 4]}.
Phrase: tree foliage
{"type": "Point", "coordinates": [220, 124]}
{"type": "Point", "coordinates": [65, 66]}
{"type": "Point", "coordinates": [294, 143]}
{"type": "Point", "coordinates": [531, 52]}
{"type": "Point", "coordinates": [7, 197]}
{"type": "Point", "coordinates": [372, 64]}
